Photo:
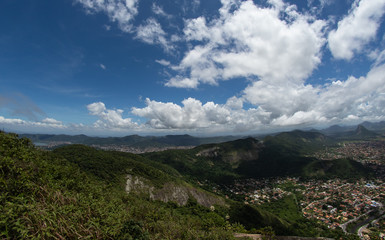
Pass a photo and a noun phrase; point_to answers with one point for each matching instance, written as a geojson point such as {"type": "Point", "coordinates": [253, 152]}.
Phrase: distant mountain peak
{"type": "Point", "coordinates": [363, 131]}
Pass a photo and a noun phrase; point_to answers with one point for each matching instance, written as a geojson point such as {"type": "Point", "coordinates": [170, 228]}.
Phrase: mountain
{"type": "Point", "coordinates": [360, 133]}
{"type": "Point", "coordinates": [77, 191]}
{"type": "Point", "coordinates": [285, 154]}
{"type": "Point", "coordinates": [336, 129]}
{"type": "Point", "coordinates": [376, 127]}
{"type": "Point", "coordinates": [363, 132]}
{"type": "Point", "coordinates": [134, 141]}
{"type": "Point", "coordinates": [343, 131]}
{"type": "Point", "coordinates": [80, 192]}
{"type": "Point", "coordinates": [299, 141]}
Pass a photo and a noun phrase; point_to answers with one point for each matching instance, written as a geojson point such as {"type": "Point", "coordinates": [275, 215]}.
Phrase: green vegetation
{"type": "Point", "coordinates": [111, 166]}
{"type": "Point", "coordinates": [254, 218]}
{"type": "Point", "coordinates": [288, 210]}
{"type": "Point", "coordinates": [195, 167]}
{"type": "Point", "coordinates": [281, 155]}
{"type": "Point", "coordinates": [45, 196]}
{"type": "Point", "coordinates": [300, 142]}
{"type": "Point", "coordinates": [342, 168]}
{"type": "Point", "coordinates": [79, 192]}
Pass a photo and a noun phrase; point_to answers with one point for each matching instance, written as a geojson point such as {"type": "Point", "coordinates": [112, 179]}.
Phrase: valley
{"type": "Point", "coordinates": [299, 183]}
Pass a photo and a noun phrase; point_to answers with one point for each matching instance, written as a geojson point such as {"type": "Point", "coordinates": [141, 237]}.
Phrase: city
{"type": "Point", "coordinates": [335, 203]}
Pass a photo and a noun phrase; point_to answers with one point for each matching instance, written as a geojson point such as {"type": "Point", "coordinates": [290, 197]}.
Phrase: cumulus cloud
{"type": "Point", "coordinates": [193, 114]}
{"type": "Point", "coordinates": [347, 100]}
{"type": "Point", "coordinates": [152, 33]}
{"type": "Point", "coordinates": [361, 97]}
{"type": "Point", "coordinates": [250, 41]}
{"type": "Point", "coordinates": [109, 118]}
{"type": "Point", "coordinates": [278, 99]}
{"type": "Point", "coordinates": [277, 105]}
{"type": "Point", "coordinates": [356, 29]}
{"type": "Point", "coordinates": [120, 11]}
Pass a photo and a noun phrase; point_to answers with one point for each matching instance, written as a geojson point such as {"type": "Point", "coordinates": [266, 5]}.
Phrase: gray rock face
{"type": "Point", "coordinates": [171, 192]}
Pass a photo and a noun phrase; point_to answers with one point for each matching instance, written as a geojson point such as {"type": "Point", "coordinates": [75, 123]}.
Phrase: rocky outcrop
{"type": "Point", "coordinates": [171, 192]}
{"type": "Point", "coordinates": [209, 152]}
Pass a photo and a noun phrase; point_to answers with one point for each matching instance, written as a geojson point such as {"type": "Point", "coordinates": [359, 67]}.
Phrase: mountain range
{"type": "Point", "coordinates": [79, 191]}
{"type": "Point", "coordinates": [378, 127]}
{"type": "Point", "coordinates": [368, 130]}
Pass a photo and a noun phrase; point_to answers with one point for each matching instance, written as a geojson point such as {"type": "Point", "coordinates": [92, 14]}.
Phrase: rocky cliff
{"type": "Point", "coordinates": [171, 192]}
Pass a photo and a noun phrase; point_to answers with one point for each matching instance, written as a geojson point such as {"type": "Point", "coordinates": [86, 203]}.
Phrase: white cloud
{"type": "Point", "coordinates": [361, 97]}
{"type": "Point", "coordinates": [109, 118]}
{"type": "Point", "coordinates": [163, 62]}
{"type": "Point", "coordinates": [299, 118]}
{"type": "Point", "coordinates": [52, 121]}
{"type": "Point", "coordinates": [45, 123]}
{"type": "Point", "coordinates": [193, 115]}
{"type": "Point", "coordinates": [280, 99]}
{"type": "Point", "coordinates": [152, 33]}
{"type": "Point", "coordinates": [356, 29]}
{"type": "Point", "coordinates": [14, 121]}
{"type": "Point", "coordinates": [96, 108]}
{"type": "Point", "coordinates": [182, 82]}
{"type": "Point", "coordinates": [250, 41]}
{"type": "Point", "coordinates": [120, 11]}
{"type": "Point", "coordinates": [352, 99]}
{"type": "Point", "coordinates": [170, 115]}
{"type": "Point", "coordinates": [102, 66]}
{"type": "Point", "coordinates": [158, 10]}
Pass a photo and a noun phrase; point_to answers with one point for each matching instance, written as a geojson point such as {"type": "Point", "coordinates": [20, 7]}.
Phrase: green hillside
{"type": "Point", "coordinates": [45, 196]}
{"type": "Point", "coordinates": [79, 192]}
{"type": "Point", "coordinates": [299, 142]}
{"type": "Point", "coordinates": [285, 154]}
{"type": "Point", "coordinates": [341, 168]}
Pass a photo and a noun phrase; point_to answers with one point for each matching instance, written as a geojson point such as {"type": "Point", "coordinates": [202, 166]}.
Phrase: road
{"type": "Point", "coordinates": [344, 225]}
{"type": "Point", "coordinates": [371, 219]}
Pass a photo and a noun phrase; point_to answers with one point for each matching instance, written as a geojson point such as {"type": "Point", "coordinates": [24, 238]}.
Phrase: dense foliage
{"type": "Point", "coordinates": [45, 196]}
{"type": "Point", "coordinates": [195, 167]}
{"type": "Point", "coordinates": [342, 168]}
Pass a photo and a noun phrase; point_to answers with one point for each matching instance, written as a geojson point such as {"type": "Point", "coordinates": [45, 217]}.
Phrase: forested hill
{"type": "Point", "coordinates": [46, 195]}
{"type": "Point", "coordinates": [285, 154]}
{"type": "Point", "coordinates": [77, 192]}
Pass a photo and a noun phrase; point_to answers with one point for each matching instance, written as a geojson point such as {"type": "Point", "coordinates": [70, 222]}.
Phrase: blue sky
{"type": "Point", "coordinates": [119, 67]}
